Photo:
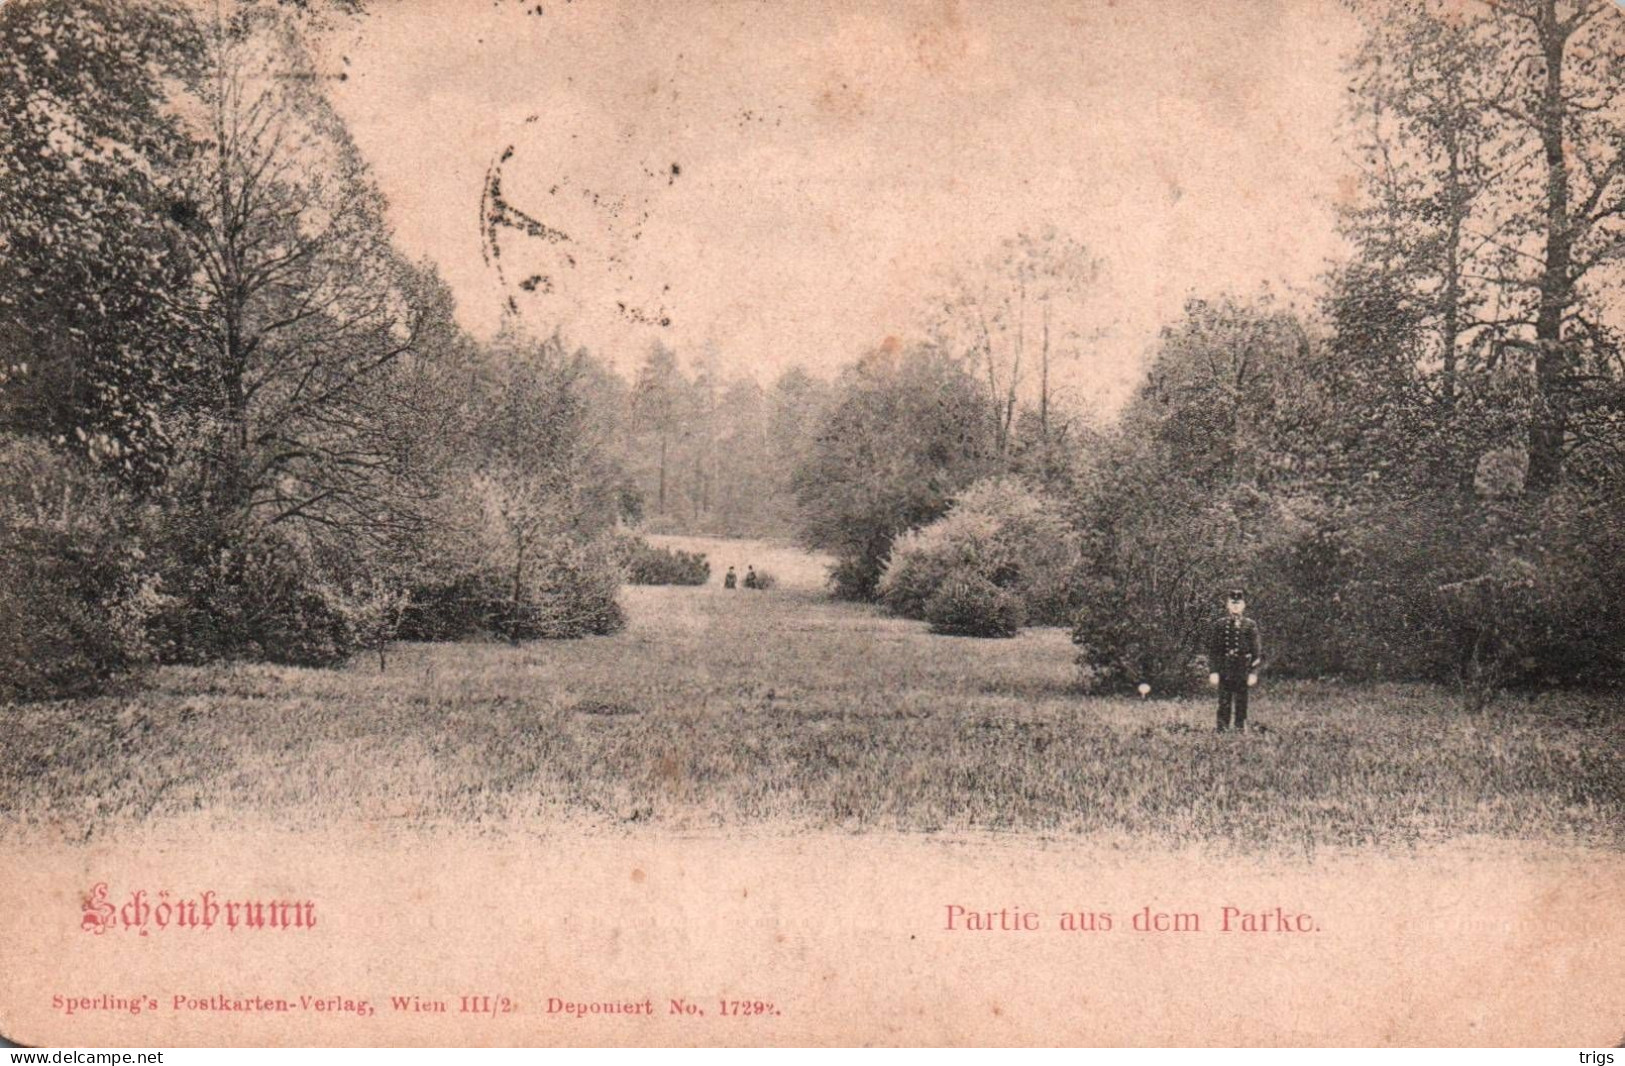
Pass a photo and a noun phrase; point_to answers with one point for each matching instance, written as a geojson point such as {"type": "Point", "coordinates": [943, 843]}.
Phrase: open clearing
{"type": "Point", "coordinates": [784, 709]}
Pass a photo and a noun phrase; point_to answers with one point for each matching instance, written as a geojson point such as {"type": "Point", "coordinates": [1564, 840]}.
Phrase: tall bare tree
{"type": "Point", "coordinates": [305, 307]}
{"type": "Point", "coordinates": [1014, 318]}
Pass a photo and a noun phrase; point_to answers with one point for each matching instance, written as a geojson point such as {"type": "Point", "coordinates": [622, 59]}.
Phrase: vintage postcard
{"type": "Point", "coordinates": [948, 522]}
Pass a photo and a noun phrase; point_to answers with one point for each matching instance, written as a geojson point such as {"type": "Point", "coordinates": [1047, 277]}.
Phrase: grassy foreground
{"type": "Point", "coordinates": [744, 709]}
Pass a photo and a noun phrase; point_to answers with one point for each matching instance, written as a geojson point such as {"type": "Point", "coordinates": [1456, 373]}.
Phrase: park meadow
{"type": "Point", "coordinates": [784, 710]}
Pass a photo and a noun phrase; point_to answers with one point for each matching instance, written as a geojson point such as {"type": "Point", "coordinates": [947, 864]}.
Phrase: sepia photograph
{"type": "Point", "coordinates": [727, 522]}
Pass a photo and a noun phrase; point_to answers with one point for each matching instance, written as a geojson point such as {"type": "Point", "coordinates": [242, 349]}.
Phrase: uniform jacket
{"type": "Point", "coordinates": [1233, 649]}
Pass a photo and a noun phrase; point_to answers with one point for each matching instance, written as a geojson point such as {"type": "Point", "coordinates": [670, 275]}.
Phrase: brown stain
{"type": "Point", "coordinates": [839, 99]}
{"type": "Point", "coordinates": [891, 344]}
{"type": "Point", "coordinates": [638, 876]}
{"type": "Point", "coordinates": [669, 770]}
{"type": "Point", "coordinates": [1348, 190]}
{"type": "Point", "coordinates": [943, 44]}
{"type": "Point", "coordinates": [1168, 172]}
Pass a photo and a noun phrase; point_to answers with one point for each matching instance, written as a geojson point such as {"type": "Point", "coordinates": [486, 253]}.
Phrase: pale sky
{"type": "Point", "coordinates": [833, 159]}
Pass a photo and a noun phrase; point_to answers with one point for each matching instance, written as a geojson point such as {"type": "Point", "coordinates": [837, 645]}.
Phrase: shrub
{"type": "Point", "coordinates": [374, 610]}
{"type": "Point", "coordinates": [1150, 585]}
{"type": "Point", "coordinates": [852, 579]}
{"type": "Point", "coordinates": [573, 595]}
{"type": "Point", "coordinates": [570, 593]}
{"type": "Point", "coordinates": [1575, 632]}
{"type": "Point", "coordinates": [919, 563]}
{"type": "Point", "coordinates": [263, 603]}
{"type": "Point", "coordinates": [1538, 605]}
{"type": "Point", "coordinates": [75, 591]}
{"type": "Point", "coordinates": [967, 604]}
{"type": "Point", "coordinates": [1013, 537]}
{"type": "Point", "coordinates": [447, 607]}
{"type": "Point", "coordinates": [650, 565]}
{"type": "Point", "coordinates": [765, 580]}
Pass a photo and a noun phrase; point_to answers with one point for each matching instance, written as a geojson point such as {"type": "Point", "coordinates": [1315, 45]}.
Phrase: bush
{"type": "Point", "coordinates": [573, 595]}
{"type": "Point", "coordinates": [444, 608]}
{"type": "Point", "coordinates": [1013, 537]}
{"type": "Point", "coordinates": [1153, 581]}
{"type": "Point", "coordinates": [570, 593]}
{"type": "Point", "coordinates": [75, 591]}
{"type": "Point", "coordinates": [969, 605]}
{"type": "Point", "coordinates": [650, 565]}
{"type": "Point", "coordinates": [852, 580]}
{"type": "Point", "coordinates": [1538, 605]}
{"type": "Point", "coordinates": [265, 603]}
{"type": "Point", "coordinates": [765, 580]}
{"type": "Point", "coordinates": [374, 609]}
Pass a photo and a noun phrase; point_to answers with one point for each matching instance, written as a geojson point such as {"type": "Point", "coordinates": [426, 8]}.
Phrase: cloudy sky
{"type": "Point", "coordinates": [788, 181]}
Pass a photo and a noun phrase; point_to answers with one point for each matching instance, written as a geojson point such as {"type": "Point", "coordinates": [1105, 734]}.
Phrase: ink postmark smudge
{"type": "Point", "coordinates": [577, 239]}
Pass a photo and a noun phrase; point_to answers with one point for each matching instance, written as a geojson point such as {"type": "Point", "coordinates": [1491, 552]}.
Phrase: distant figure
{"type": "Point", "coordinates": [1234, 657]}
{"type": "Point", "coordinates": [750, 577]}
{"type": "Point", "coordinates": [730, 579]}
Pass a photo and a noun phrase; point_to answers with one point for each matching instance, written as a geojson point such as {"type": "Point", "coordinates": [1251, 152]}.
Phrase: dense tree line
{"type": "Point", "coordinates": [1418, 477]}
{"type": "Point", "coordinates": [713, 454]}
{"type": "Point", "coordinates": [234, 420]}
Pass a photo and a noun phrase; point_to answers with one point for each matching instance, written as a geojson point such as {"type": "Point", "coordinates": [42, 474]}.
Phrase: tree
{"type": "Point", "coordinates": [797, 404]}
{"type": "Point", "coordinates": [1496, 215]}
{"type": "Point", "coordinates": [1013, 318]}
{"type": "Point", "coordinates": [1415, 310]}
{"type": "Point", "coordinates": [1202, 478]}
{"type": "Point", "coordinates": [304, 306]}
{"type": "Point", "coordinates": [95, 348]}
{"type": "Point", "coordinates": [531, 485]}
{"type": "Point", "coordinates": [659, 395]}
{"type": "Point", "coordinates": [1428, 156]}
{"type": "Point", "coordinates": [903, 433]}
{"type": "Point", "coordinates": [744, 473]}
{"type": "Point", "coordinates": [530, 442]}
{"type": "Point", "coordinates": [700, 432]}
{"type": "Point", "coordinates": [1562, 93]}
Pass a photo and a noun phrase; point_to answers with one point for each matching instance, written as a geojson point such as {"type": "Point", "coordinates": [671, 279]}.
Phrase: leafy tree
{"type": "Point", "coordinates": [1562, 95]}
{"type": "Point", "coordinates": [1494, 222]}
{"type": "Point", "coordinates": [797, 402]}
{"type": "Point", "coordinates": [95, 345]}
{"type": "Point", "coordinates": [743, 498]}
{"type": "Point", "coordinates": [1201, 477]}
{"type": "Point", "coordinates": [904, 432]}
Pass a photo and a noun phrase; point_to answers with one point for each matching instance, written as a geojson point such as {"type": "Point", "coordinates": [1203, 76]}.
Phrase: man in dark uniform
{"type": "Point", "coordinates": [1233, 656]}
{"type": "Point", "coordinates": [729, 580]}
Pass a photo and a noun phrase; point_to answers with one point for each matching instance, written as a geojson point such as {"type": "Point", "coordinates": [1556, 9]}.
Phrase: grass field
{"type": "Point", "coordinates": [784, 709]}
